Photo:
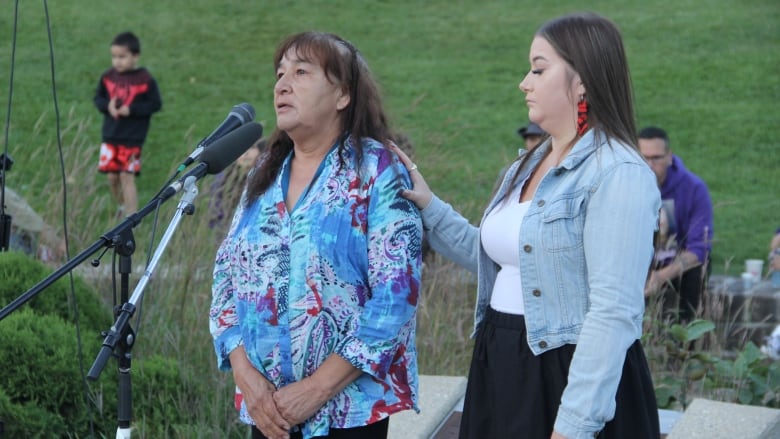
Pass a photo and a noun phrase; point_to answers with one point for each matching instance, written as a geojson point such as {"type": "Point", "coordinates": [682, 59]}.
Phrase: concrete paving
{"type": "Point", "coordinates": [706, 419]}
{"type": "Point", "coordinates": [439, 395]}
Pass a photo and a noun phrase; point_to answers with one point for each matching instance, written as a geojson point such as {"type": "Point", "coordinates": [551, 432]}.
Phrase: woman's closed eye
{"type": "Point", "coordinates": [298, 72]}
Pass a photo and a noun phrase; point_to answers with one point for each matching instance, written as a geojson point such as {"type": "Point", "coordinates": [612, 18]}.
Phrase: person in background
{"type": "Point", "coordinates": [561, 254]}
{"type": "Point", "coordinates": [771, 346]}
{"type": "Point", "coordinates": [774, 259]}
{"type": "Point", "coordinates": [532, 135]}
{"type": "Point", "coordinates": [227, 187]}
{"type": "Point", "coordinates": [682, 264]}
{"type": "Point", "coordinates": [774, 251]}
{"type": "Point", "coordinates": [316, 284]}
{"type": "Point", "coordinates": [127, 95]}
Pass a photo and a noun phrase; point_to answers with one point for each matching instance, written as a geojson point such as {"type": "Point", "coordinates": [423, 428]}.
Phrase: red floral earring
{"type": "Point", "coordinates": [582, 116]}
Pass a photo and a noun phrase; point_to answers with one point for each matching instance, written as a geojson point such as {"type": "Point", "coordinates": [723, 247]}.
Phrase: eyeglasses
{"type": "Point", "coordinates": [654, 158]}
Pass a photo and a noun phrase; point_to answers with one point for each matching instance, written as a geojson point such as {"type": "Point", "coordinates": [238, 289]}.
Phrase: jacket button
{"type": "Point", "coordinates": [527, 248]}
{"type": "Point", "coordinates": [540, 203]}
{"type": "Point", "coordinates": [542, 344]}
{"type": "Point", "coordinates": [536, 293]}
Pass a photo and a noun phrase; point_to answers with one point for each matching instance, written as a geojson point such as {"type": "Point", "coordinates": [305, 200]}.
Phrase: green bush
{"type": "Point", "coordinates": [752, 378]}
{"type": "Point", "coordinates": [690, 371]}
{"type": "Point", "coordinates": [164, 397]}
{"type": "Point", "coordinates": [24, 418]}
{"type": "Point", "coordinates": [20, 273]}
{"type": "Point", "coordinates": [41, 385]}
{"type": "Point", "coordinates": [43, 393]}
{"type": "Point", "coordinates": [159, 394]}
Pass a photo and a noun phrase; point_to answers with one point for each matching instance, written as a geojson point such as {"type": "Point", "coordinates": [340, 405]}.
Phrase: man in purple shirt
{"type": "Point", "coordinates": [682, 255]}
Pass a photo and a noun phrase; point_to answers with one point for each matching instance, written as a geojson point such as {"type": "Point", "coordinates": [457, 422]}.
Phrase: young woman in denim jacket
{"type": "Point", "coordinates": [562, 254]}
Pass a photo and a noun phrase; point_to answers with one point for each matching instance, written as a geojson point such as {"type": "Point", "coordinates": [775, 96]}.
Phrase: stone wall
{"type": "Point", "coordinates": [743, 314]}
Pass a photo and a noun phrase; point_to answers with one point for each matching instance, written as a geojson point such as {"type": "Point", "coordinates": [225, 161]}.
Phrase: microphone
{"type": "Point", "coordinates": [222, 153]}
{"type": "Point", "coordinates": [239, 115]}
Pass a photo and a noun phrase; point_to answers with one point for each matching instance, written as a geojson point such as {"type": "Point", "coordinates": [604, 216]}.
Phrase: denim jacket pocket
{"type": "Point", "coordinates": [562, 223]}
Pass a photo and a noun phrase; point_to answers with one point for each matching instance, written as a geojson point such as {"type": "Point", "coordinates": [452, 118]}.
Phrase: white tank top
{"type": "Point", "coordinates": [500, 239]}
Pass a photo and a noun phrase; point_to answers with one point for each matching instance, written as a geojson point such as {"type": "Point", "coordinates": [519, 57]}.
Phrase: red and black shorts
{"type": "Point", "coordinates": [120, 158]}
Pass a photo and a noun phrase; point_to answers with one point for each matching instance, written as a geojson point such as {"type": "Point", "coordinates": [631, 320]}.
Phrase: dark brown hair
{"type": "Point", "coordinates": [363, 117]}
{"type": "Point", "coordinates": [128, 40]}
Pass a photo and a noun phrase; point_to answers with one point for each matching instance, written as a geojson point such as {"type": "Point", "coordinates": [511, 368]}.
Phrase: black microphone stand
{"type": "Point", "coordinates": [125, 248]}
{"type": "Point", "coordinates": [121, 334]}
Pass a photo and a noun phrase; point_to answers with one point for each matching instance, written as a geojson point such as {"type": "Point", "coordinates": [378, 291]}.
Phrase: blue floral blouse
{"type": "Point", "coordinates": [339, 274]}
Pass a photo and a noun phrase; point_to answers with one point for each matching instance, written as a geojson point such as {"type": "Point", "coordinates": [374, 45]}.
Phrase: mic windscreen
{"type": "Point", "coordinates": [244, 111]}
{"type": "Point", "coordinates": [226, 150]}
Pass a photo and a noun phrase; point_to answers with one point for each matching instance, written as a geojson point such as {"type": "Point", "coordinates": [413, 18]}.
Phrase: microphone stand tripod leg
{"type": "Point", "coordinates": [125, 248]}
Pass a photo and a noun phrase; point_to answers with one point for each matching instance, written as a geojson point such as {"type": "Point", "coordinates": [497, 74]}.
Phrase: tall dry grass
{"type": "Point", "coordinates": [445, 317]}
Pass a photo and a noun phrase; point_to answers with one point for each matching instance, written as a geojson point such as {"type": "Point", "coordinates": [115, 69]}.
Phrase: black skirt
{"type": "Point", "coordinates": [377, 430]}
{"type": "Point", "coordinates": [512, 393]}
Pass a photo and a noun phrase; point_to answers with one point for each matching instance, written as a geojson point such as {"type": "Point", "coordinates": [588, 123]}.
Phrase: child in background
{"type": "Point", "coordinates": [127, 95]}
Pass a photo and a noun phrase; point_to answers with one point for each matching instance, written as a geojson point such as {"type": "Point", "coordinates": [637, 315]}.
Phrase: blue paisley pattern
{"type": "Point", "coordinates": [340, 274]}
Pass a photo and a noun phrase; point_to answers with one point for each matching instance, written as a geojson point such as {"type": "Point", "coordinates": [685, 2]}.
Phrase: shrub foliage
{"type": "Point", "coordinates": [43, 389]}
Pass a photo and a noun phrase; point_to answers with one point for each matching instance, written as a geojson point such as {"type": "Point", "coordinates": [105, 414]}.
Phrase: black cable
{"type": "Point", "coordinates": [7, 125]}
{"type": "Point", "coordinates": [65, 222]}
{"type": "Point", "coordinates": [3, 219]}
{"type": "Point", "coordinates": [62, 169]}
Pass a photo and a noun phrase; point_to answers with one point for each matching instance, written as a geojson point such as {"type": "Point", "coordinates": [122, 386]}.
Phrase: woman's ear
{"type": "Point", "coordinates": [343, 100]}
{"type": "Point", "coordinates": [579, 87]}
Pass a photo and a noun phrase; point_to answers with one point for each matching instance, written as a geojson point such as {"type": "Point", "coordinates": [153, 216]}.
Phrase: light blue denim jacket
{"type": "Point", "coordinates": [586, 244]}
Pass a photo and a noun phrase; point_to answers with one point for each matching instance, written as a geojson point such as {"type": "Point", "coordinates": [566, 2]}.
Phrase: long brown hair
{"type": "Point", "coordinates": [593, 47]}
{"type": "Point", "coordinates": [363, 117]}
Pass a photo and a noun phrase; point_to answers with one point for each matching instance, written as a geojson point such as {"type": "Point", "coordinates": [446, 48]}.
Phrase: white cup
{"type": "Point", "coordinates": [755, 267]}
{"type": "Point", "coordinates": [747, 282]}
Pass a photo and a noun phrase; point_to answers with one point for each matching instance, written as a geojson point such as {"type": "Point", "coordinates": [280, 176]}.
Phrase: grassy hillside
{"type": "Point", "coordinates": [707, 71]}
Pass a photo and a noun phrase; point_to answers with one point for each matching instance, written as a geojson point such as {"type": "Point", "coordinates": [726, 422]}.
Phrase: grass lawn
{"type": "Point", "coordinates": [707, 71]}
